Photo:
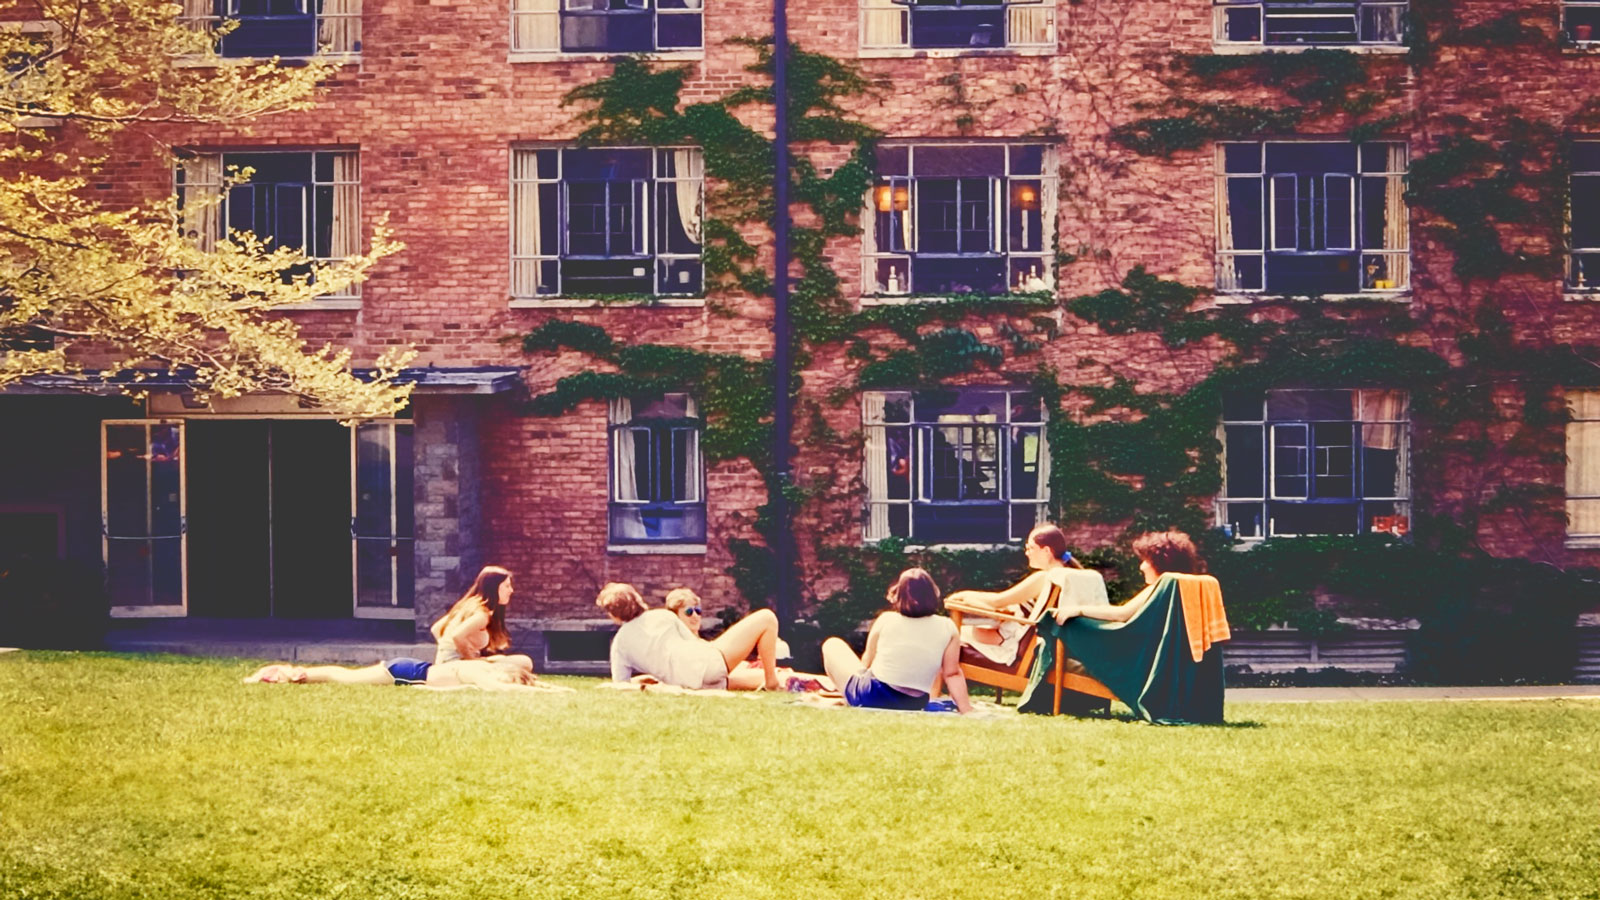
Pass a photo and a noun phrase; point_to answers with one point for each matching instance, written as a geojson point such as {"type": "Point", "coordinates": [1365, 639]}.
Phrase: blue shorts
{"type": "Point", "coordinates": [864, 689]}
{"type": "Point", "coordinates": [408, 671]}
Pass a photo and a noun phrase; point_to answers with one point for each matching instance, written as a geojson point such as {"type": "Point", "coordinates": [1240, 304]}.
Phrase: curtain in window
{"type": "Point", "coordinates": [1583, 463]}
{"type": "Point", "coordinates": [536, 25]}
{"type": "Point", "coordinates": [338, 25]}
{"type": "Point", "coordinates": [201, 197]}
{"type": "Point", "coordinates": [526, 229]}
{"type": "Point", "coordinates": [1383, 415]}
{"type": "Point", "coordinates": [883, 24]}
{"type": "Point", "coordinates": [625, 478]}
{"type": "Point", "coordinates": [1227, 270]}
{"type": "Point", "coordinates": [877, 464]}
{"type": "Point", "coordinates": [1049, 203]}
{"type": "Point", "coordinates": [694, 465]}
{"type": "Point", "coordinates": [1043, 491]}
{"type": "Point", "coordinates": [689, 168]}
{"type": "Point", "coordinates": [199, 14]}
{"type": "Point", "coordinates": [346, 206]}
{"type": "Point", "coordinates": [1394, 219]}
{"type": "Point", "coordinates": [1030, 24]}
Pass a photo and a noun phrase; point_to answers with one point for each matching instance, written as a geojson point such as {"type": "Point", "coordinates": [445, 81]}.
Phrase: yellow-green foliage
{"type": "Point", "coordinates": [77, 270]}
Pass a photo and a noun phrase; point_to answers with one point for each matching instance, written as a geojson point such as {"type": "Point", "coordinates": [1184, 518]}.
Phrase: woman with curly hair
{"type": "Point", "coordinates": [1159, 552]}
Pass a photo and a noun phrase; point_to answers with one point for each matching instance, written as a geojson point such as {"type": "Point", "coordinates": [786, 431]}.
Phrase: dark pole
{"type": "Point", "coordinates": [781, 537]}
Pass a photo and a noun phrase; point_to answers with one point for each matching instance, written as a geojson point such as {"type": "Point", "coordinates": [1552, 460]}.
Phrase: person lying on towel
{"type": "Point", "coordinates": [656, 642]}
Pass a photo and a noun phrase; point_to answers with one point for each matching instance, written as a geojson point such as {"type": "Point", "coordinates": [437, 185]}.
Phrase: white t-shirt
{"type": "Point", "coordinates": [1079, 587]}
{"type": "Point", "coordinates": [658, 644]}
{"type": "Point", "coordinates": [910, 651]}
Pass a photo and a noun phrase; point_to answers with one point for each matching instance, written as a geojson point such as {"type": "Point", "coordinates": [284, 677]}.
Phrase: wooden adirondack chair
{"type": "Point", "coordinates": [980, 669]}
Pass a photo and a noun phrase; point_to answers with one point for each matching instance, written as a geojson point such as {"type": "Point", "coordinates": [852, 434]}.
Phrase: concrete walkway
{"type": "Point", "coordinates": [1389, 694]}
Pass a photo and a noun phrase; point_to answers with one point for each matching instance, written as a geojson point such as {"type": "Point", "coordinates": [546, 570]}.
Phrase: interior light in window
{"type": "Point", "coordinates": [893, 199]}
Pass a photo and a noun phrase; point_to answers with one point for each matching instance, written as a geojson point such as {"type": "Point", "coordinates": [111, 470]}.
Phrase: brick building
{"type": "Point", "coordinates": [998, 155]}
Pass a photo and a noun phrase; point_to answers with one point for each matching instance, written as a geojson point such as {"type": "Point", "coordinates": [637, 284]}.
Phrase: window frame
{"type": "Point", "coordinates": [207, 15]}
{"type": "Point", "coordinates": [1590, 10]}
{"type": "Point", "coordinates": [921, 464]}
{"type": "Point", "coordinates": [1265, 525]}
{"type": "Point", "coordinates": [888, 276]}
{"type": "Point", "coordinates": [1391, 261]}
{"type": "Point", "coordinates": [525, 16]}
{"type": "Point", "coordinates": [529, 267]}
{"type": "Point", "coordinates": [691, 424]}
{"type": "Point", "coordinates": [1394, 40]}
{"type": "Point", "coordinates": [1577, 539]}
{"type": "Point", "coordinates": [876, 15]}
{"type": "Point", "coordinates": [352, 292]}
{"type": "Point", "coordinates": [50, 33]}
{"type": "Point", "coordinates": [1576, 279]}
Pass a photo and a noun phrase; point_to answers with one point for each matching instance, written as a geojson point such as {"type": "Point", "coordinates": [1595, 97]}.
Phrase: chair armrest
{"type": "Point", "coordinates": [985, 612]}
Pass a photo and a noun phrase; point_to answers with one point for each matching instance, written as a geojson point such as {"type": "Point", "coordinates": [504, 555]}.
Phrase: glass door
{"type": "Point", "coordinates": [143, 525]}
{"type": "Point", "coordinates": [382, 526]}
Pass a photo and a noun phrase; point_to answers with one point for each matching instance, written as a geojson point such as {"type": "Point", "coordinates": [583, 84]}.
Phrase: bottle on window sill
{"type": "Point", "coordinates": [893, 286]}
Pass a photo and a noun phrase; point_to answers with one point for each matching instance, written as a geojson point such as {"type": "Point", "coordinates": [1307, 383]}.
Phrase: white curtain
{"type": "Point", "coordinates": [883, 24]}
{"type": "Point", "coordinates": [346, 225]}
{"type": "Point", "coordinates": [694, 465]}
{"type": "Point", "coordinates": [689, 168]}
{"type": "Point", "coordinates": [1383, 417]}
{"type": "Point", "coordinates": [1583, 463]}
{"type": "Point", "coordinates": [201, 196]}
{"type": "Point", "coordinates": [536, 25]}
{"type": "Point", "coordinates": [877, 465]}
{"type": "Point", "coordinates": [1394, 219]}
{"type": "Point", "coordinates": [1030, 24]}
{"type": "Point", "coordinates": [526, 229]}
{"type": "Point", "coordinates": [1227, 269]}
{"type": "Point", "coordinates": [338, 25]}
{"type": "Point", "coordinates": [200, 15]}
{"type": "Point", "coordinates": [625, 478]}
{"type": "Point", "coordinates": [1044, 467]}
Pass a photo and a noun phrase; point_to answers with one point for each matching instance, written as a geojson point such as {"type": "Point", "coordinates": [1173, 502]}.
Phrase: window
{"type": "Point", "coordinates": [1315, 462]}
{"type": "Point", "coordinates": [947, 218]}
{"type": "Point", "coordinates": [25, 49]}
{"type": "Point", "coordinates": [606, 222]}
{"type": "Point", "coordinates": [605, 26]}
{"type": "Point", "coordinates": [657, 474]}
{"type": "Point", "coordinates": [1583, 468]}
{"type": "Point", "coordinates": [307, 201]}
{"type": "Point", "coordinates": [1309, 22]}
{"type": "Point", "coordinates": [1580, 21]}
{"type": "Point", "coordinates": [955, 467]}
{"type": "Point", "coordinates": [279, 27]}
{"type": "Point", "coordinates": [1583, 238]}
{"type": "Point", "coordinates": [1305, 217]}
{"type": "Point", "coordinates": [963, 24]}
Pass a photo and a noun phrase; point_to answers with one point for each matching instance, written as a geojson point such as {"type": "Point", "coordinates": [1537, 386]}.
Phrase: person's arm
{"type": "Point", "coordinates": [460, 633]}
{"type": "Point", "coordinates": [1120, 613]}
{"type": "Point", "coordinates": [872, 643]}
{"type": "Point", "coordinates": [954, 681]}
{"type": "Point", "coordinates": [620, 670]}
{"type": "Point", "coordinates": [1019, 593]}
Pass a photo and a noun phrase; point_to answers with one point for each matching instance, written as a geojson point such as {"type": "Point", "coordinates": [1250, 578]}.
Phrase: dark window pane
{"type": "Point", "coordinates": [953, 160]}
{"type": "Point", "coordinates": [1246, 457]}
{"type": "Point", "coordinates": [893, 161]}
{"type": "Point", "coordinates": [1334, 457]}
{"type": "Point", "coordinates": [606, 165]}
{"type": "Point", "coordinates": [961, 524]}
{"type": "Point", "coordinates": [1586, 211]}
{"type": "Point", "coordinates": [1241, 158]}
{"type": "Point", "coordinates": [680, 31]}
{"type": "Point", "coordinates": [1309, 275]}
{"type": "Point", "coordinates": [931, 275]}
{"type": "Point", "coordinates": [1244, 212]}
{"type": "Point", "coordinates": [1311, 157]}
{"type": "Point", "coordinates": [1027, 160]}
{"type": "Point", "coordinates": [939, 23]}
{"type": "Point", "coordinates": [1290, 460]}
{"type": "Point", "coordinates": [1313, 518]}
{"type": "Point", "coordinates": [1242, 406]}
{"type": "Point", "coordinates": [1335, 405]}
{"type": "Point", "coordinates": [1243, 25]}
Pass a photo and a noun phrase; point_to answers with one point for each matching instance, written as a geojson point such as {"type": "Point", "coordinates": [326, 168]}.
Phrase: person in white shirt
{"type": "Point", "coordinates": [908, 650]}
{"type": "Point", "coordinates": [1053, 567]}
{"type": "Point", "coordinates": [657, 643]}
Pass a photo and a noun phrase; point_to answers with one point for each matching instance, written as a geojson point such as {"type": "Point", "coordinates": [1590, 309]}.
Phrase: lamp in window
{"type": "Point", "coordinates": [1025, 198]}
{"type": "Point", "coordinates": [893, 198]}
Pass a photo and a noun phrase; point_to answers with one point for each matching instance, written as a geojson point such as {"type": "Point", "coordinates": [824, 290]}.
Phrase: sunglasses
{"type": "Point", "coordinates": [692, 611]}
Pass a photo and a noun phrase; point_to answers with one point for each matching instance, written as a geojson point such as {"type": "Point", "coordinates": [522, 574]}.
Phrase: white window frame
{"type": "Point", "coordinates": [1264, 524]}
{"type": "Point", "coordinates": [1391, 35]}
{"type": "Point", "coordinates": [531, 40]}
{"type": "Point", "coordinates": [1569, 30]}
{"type": "Point", "coordinates": [1575, 416]}
{"type": "Point", "coordinates": [202, 15]}
{"type": "Point", "coordinates": [695, 470]}
{"type": "Point", "coordinates": [1579, 279]}
{"type": "Point", "coordinates": [1024, 19]}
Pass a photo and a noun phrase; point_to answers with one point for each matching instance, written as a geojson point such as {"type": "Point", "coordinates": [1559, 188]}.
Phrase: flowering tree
{"type": "Point", "coordinates": [82, 277]}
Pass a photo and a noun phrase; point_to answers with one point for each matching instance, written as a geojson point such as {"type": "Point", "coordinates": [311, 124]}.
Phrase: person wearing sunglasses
{"type": "Point", "coordinates": [685, 604]}
{"type": "Point", "coordinates": [658, 643]}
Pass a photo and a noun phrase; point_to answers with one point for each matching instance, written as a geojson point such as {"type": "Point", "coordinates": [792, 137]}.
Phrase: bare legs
{"type": "Point", "coordinates": [759, 632]}
{"type": "Point", "coordinates": [373, 674]}
{"type": "Point", "coordinates": [839, 661]}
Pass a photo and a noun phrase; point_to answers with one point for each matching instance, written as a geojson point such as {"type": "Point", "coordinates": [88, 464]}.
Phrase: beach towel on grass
{"type": "Point", "coordinates": [1164, 663]}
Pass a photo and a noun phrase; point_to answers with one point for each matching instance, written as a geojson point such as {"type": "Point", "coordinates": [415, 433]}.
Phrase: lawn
{"type": "Point", "coordinates": [166, 778]}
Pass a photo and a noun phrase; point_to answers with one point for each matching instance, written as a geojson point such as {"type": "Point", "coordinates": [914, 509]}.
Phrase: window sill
{"type": "Point", "coordinates": [1040, 297]}
{"type": "Point", "coordinates": [1584, 542]}
{"type": "Point", "coordinates": [36, 122]}
{"type": "Point", "coordinates": [1246, 49]}
{"type": "Point", "coordinates": [1580, 48]}
{"type": "Point", "coordinates": [214, 62]}
{"type": "Point", "coordinates": [921, 548]}
{"type": "Point", "coordinates": [657, 549]}
{"type": "Point", "coordinates": [949, 52]}
{"type": "Point", "coordinates": [1580, 295]}
{"type": "Point", "coordinates": [583, 303]}
{"type": "Point", "coordinates": [1402, 296]}
{"type": "Point", "coordinates": [329, 305]}
{"type": "Point", "coordinates": [544, 56]}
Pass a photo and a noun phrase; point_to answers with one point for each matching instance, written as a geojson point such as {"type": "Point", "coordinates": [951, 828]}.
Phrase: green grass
{"type": "Point", "coordinates": [166, 778]}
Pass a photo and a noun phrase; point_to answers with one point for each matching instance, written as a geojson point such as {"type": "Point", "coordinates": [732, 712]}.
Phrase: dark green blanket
{"type": "Point", "coordinates": [1146, 662]}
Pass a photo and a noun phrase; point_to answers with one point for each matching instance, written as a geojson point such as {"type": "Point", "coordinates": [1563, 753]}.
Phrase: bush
{"type": "Point", "coordinates": [54, 604]}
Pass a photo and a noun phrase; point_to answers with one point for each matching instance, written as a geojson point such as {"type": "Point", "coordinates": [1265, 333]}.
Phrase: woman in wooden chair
{"type": "Point", "coordinates": [1051, 561]}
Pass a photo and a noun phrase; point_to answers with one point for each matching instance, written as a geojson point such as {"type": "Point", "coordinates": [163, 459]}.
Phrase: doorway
{"type": "Point", "coordinates": [269, 519]}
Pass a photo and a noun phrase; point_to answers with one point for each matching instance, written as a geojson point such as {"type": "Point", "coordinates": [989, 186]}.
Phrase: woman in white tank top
{"type": "Point", "coordinates": [908, 649]}
{"type": "Point", "coordinates": [1053, 565]}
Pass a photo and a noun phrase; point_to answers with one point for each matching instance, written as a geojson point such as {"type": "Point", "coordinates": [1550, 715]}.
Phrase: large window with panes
{"type": "Point", "coordinates": [958, 466]}
{"type": "Point", "coordinates": [960, 218]}
{"type": "Point", "coordinates": [1312, 217]}
{"type": "Point", "coordinates": [1305, 462]}
{"type": "Point", "coordinates": [1583, 217]}
{"type": "Point", "coordinates": [658, 476]}
{"type": "Point", "coordinates": [1309, 23]}
{"type": "Point", "coordinates": [605, 26]}
{"type": "Point", "coordinates": [607, 222]}
{"type": "Point", "coordinates": [958, 24]}
{"type": "Point", "coordinates": [264, 28]}
{"type": "Point", "coordinates": [306, 201]}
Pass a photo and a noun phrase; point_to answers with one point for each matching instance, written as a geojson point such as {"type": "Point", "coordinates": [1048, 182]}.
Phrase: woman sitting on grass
{"type": "Point", "coordinates": [475, 627]}
{"type": "Point", "coordinates": [656, 642]}
{"type": "Point", "coordinates": [1053, 567]}
{"type": "Point", "coordinates": [908, 650]}
{"type": "Point", "coordinates": [479, 673]}
{"type": "Point", "coordinates": [1159, 552]}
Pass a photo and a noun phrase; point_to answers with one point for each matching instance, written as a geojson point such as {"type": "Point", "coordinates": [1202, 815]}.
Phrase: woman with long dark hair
{"type": "Point", "coordinates": [475, 626]}
{"type": "Point", "coordinates": [909, 649]}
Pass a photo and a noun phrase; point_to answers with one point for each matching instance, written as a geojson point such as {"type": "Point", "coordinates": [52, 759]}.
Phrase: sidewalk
{"type": "Point", "coordinates": [1389, 694]}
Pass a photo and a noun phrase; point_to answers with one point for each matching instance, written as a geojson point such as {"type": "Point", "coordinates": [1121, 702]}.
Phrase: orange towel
{"type": "Point", "coordinates": [1202, 612]}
